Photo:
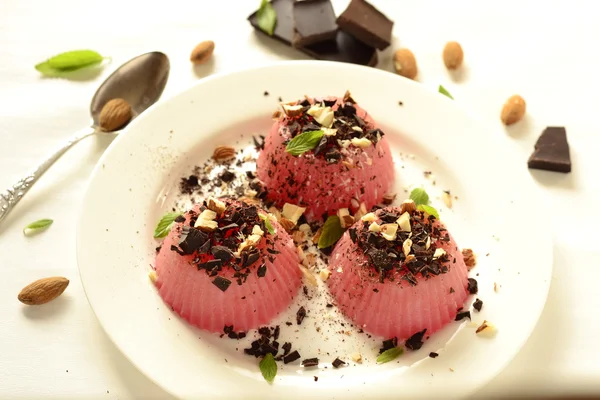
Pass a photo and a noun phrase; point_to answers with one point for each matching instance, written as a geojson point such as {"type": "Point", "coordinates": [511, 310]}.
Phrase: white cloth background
{"type": "Point", "coordinates": [545, 51]}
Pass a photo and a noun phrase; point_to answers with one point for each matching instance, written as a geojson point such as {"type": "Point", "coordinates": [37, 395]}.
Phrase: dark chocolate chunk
{"type": "Point", "coordinates": [300, 315]}
{"type": "Point", "coordinates": [462, 315]}
{"type": "Point", "coordinates": [284, 28]}
{"type": "Point", "coordinates": [433, 354]}
{"type": "Point", "coordinates": [367, 24]}
{"type": "Point", "coordinates": [415, 341]}
{"type": "Point", "coordinates": [233, 335]}
{"type": "Point", "coordinates": [241, 335]}
{"type": "Point", "coordinates": [345, 48]}
{"type": "Point", "coordinates": [264, 331]}
{"type": "Point", "coordinates": [310, 362]}
{"type": "Point", "coordinates": [287, 347]}
{"type": "Point", "coordinates": [180, 218]}
{"type": "Point", "coordinates": [551, 151]}
{"type": "Point", "coordinates": [222, 253]}
{"type": "Point", "coordinates": [262, 270]}
{"type": "Point", "coordinates": [227, 176]}
{"type": "Point", "coordinates": [210, 265]}
{"type": "Point", "coordinates": [191, 240]}
{"type": "Point", "coordinates": [389, 344]}
{"type": "Point", "coordinates": [227, 329]}
{"type": "Point", "coordinates": [472, 286]}
{"type": "Point", "coordinates": [252, 257]}
{"type": "Point", "coordinates": [451, 290]}
{"type": "Point", "coordinates": [221, 283]}
{"type": "Point", "coordinates": [293, 356]}
{"type": "Point", "coordinates": [314, 21]}
{"type": "Point", "coordinates": [276, 332]}
{"type": "Point", "coordinates": [478, 304]}
{"type": "Point", "coordinates": [316, 378]}
{"type": "Point", "coordinates": [337, 363]}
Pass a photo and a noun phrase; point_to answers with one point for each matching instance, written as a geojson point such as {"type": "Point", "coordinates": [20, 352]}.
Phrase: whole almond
{"type": "Point", "coordinates": [43, 290]}
{"type": "Point", "coordinates": [513, 110]}
{"type": "Point", "coordinates": [405, 63]}
{"type": "Point", "coordinates": [115, 114]}
{"type": "Point", "coordinates": [453, 55]}
{"type": "Point", "coordinates": [223, 153]}
{"type": "Point", "coordinates": [202, 52]}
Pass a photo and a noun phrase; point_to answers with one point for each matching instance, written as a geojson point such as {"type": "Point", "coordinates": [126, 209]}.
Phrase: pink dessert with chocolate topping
{"type": "Point", "coordinates": [325, 154]}
{"type": "Point", "coordinates": [397, 272]}
{"type": "Point", "coordinates": [227, 263]}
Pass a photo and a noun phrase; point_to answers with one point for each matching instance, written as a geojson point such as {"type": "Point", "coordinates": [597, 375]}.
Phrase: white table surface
{"type": "Point", "coordinates": [545, 51]}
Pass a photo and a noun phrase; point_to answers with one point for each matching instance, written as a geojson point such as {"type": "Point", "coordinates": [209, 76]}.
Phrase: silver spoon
{"type": "Point", "coordinates": [140, 82]}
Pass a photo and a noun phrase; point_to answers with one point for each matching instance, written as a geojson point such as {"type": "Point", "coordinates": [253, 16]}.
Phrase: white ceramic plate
{"type": "Point", "coordinates": [138, 177]}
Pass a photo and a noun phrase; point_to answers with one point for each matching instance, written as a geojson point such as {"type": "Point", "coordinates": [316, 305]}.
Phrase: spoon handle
{"type": "Point", "coordinates": [11, 196]}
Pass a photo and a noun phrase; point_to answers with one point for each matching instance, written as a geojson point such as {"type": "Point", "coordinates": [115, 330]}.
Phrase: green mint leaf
{"type": "Point", "coordinates": [164, 225]}
{"type": "Point", "coordinates": [390, 355]}
{"type": "Point", "coordinates": [429, 210]}
{"type": "Point", "coordinates": [69, 61]}
{"type": "Point", "coordinates": [304, 142]}
{"type": "Point", "coordinates": [268, 224]}
{"type": "Point", "coordinates": [37, 225]}
{"type": "Point", "coordinates": [443, 91]}
{"type": "Point", "coordinates": [266, 17]}
{"type": "Point", "coordinates": [419, 196]}
{"type": "Point", "coordinates": [331, 233]}
{"type": "Point", "coordinates": [268, 367]}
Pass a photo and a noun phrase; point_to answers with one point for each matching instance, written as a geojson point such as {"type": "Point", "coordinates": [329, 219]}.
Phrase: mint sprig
{"type": "Point", "coordinates": [268, 368]}
{"type": "Point", "coordinates": [332, 232]}
{"type": "Point", "coordinates": [36, 226]}
{"type": "Point", "coordinates": [268, 224]}
{"type": "Point", "coordinates": [443, 91]}
{"type": "Point", "coordinates": [69, 61]}
{"type": "Point", "coordinates": [390, 355]}
{"type": "Point", "coordinates": [304, 142]}
{"type": "Point", "coordinates": [266, 17]}
{"type": "Point", "coordinates": [421, 199]}
{"type": "Point", "coordinates": [164, 225]}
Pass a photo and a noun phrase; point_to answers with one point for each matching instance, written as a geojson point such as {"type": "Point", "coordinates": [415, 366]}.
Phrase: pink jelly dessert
{"type": "Point", "coordinates": [227, 263]}
{"type": "Point", "coordinates": [348, 164]}
{"type": "Point", "coordinates": [397, 272]}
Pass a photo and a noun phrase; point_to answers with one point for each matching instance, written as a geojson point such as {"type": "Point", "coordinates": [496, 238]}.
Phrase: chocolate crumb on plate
{"type": "Point", "coordinates": [389, 344]}
{"type": "Point", "coordinates": [293, 356]}
{"type": "Point", "coordinates": [366, 23]}
{"type": "Point", "coordinates": [314, 21]}
{"type": "Point", "coordinates": [462, 315]}
{"type": "Point", "coordinates": [472, 286]}
{"type": "Point", "coordinates": [433, 354]}
{"type": "Point", "coordinates": [478, 304]}
{"type": "Point", "coordinates": [551, 151]}
{"type": "Point", "coordinates": [316, 378]}
{"type": "Point", "coordinates": [310, 362]}
{"type": "Point", "coordinates": [337, 363]}
{"type": "Point", "coordinates": [415, 341]}
{"type": "Point", "coordinates": [300, 314]}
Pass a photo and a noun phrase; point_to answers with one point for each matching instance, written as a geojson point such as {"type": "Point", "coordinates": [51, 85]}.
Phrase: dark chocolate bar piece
{"type": "Point", "coordinates": [551, 151]}
{"type": "Point", "coordinates": [284, 28]}
{"type": "Point", "coordinates": [345, 48]}
{"type": "Point", "coordinates": [314, 22]}
{"type": "Point", "coordinates": [366, 23]}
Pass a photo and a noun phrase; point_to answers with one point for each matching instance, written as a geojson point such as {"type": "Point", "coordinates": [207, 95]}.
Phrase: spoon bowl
{"type": "Point", "coordinates": [125, 83]}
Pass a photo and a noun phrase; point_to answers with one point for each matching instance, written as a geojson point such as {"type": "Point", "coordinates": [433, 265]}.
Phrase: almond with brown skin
{"type": "Point", "coordinates": [202, 52]}
{"type": "Point", "coordinates": [43, 290]}
{"type": "Point", "coordinates": [115, 114]}
{"type": "Point", "coordinates": [513, 110]}
{"type": "Point", "coordinates": [453, 55]}
{"type": "Point", "coordinates": [287, 224]}
{"type": "Point", "coordinates": [405, 63]}
{"type": "Point", "coordinates": [223, 153]}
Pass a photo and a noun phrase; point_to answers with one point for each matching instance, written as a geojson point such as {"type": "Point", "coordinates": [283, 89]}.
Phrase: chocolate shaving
{"type": "Point", "coordinates": [300, 314]}
{"type": "Point", "coordinates": [310, 362]}
{"type": "Point", "coordinates": [337, 363]}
